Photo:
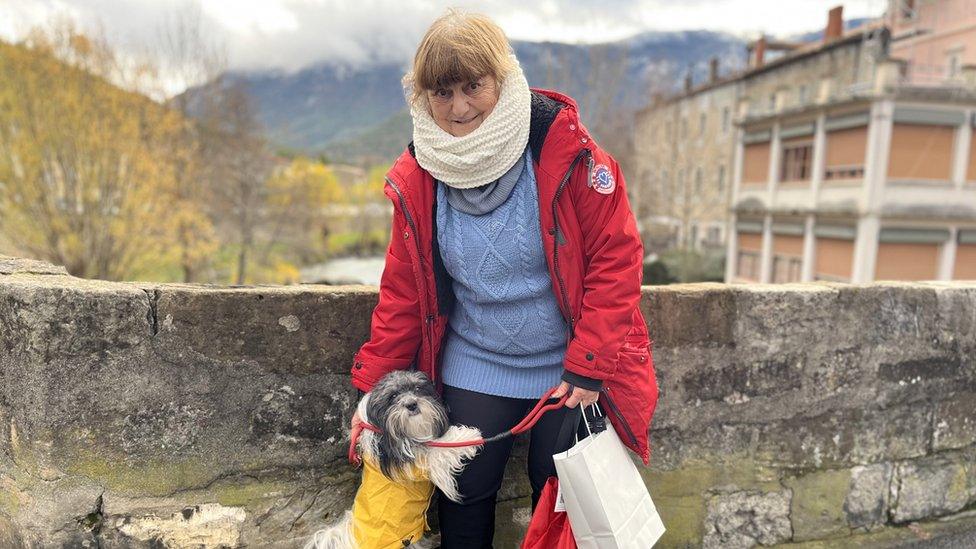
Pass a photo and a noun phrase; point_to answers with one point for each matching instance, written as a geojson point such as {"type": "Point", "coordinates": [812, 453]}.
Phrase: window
{"type": "Point", "coordinates": [786, 268]}
{"type": "Point", "coordinates": [844, 154]}
{"type": "Point", "coordinates": [802, 95]}
{"type": "Point", "coordinates": [714, 235]}
{"type": "Point", "coordinates": [954, 63]}
{"type": "Point", "coordinates": [796, 162]}
{"type": "Point", "coordinates": [684, 128]}
{"type": "Point", "coordinates": [698, 181]}
{"type": "Point", "coordinates": [748, 265]}
{"type": "Point", "coordinates": [701, 124]}
{"type": "Point", "coordinates": [755, 162]}
{"type": "Point", "coordinates": [772, 101]}
{"type": "Point", "coordinates": [907, 9]}
{"type": "Point", "coordinates": [721, 179]}
{"type": "Point", "coordinates": [667, 131]}
{"type": "Point", "coordinates": [725, 120]}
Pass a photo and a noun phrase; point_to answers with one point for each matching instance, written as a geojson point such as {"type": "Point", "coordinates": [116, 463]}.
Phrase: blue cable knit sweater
{"type": "Point", "coordinates": [506, 334]}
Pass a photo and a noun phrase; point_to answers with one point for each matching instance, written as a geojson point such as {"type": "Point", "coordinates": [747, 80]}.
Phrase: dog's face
{"type": "Point", "coordinates": [406, 407]}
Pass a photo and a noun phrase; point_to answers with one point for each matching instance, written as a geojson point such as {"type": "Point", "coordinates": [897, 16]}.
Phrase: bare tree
{"type": "Point", "coordinates": [603, 93]}
{"type": "Point", "coordinates": [189, 56]}
{"type": "Point", "coordinates": [238, 163]}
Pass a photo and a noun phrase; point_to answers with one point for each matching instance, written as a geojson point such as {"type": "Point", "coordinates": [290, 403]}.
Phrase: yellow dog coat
{"type": "Point", "coordinates": [390, 514]}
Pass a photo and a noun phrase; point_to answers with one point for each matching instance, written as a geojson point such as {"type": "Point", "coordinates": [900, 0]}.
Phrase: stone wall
{"type": "Point", "coordinates": [138, 415]}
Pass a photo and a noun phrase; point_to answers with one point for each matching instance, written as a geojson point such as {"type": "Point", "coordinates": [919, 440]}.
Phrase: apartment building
{"type": "Point", "coordinates": [874, 179]}
{"type": "Point", "coordinates": [847, 159]}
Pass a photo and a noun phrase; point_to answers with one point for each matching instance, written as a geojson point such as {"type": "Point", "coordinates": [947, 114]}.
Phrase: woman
{"type": "Point", "coordinates": [514, 264]}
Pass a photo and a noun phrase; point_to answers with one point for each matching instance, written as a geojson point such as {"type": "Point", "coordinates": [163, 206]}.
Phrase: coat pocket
{"type": "Point", "coordinates": [633, 391]}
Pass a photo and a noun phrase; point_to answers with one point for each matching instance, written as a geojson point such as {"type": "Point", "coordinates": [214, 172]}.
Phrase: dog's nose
{"type": "Point", "coordinates": [411, 406]}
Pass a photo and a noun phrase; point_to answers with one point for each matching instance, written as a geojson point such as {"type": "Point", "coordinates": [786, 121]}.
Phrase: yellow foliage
{"type": "Point", "coordinates": [88, 171]}
{"type": "Point", "coordinates": [303, 183]}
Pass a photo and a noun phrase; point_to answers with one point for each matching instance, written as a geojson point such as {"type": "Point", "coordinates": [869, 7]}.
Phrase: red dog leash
{"type": "Point", "coordinates": [527, 422]}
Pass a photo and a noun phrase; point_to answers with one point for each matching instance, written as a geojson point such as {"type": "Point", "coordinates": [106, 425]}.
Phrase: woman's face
{"type": "Point", "coordinates": [461, 108]}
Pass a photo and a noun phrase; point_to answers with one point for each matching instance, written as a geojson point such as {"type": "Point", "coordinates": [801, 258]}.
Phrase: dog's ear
{"type": "Point", "coordinates": [394, 459]}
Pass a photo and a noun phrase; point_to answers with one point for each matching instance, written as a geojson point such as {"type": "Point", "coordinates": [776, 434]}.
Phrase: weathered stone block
{"type": "Point", "coordinates": [817, 506]}
{"type": "Point", "coordinates": [204, 525]}
{"type": "Point", "coordinates": [746, 519]}
{"type": "Point", "coordinates": [296, 330]}
{"type": "Point", "coordinates": [866, 504]}
{"type": "Point", "coordinates": [681, 495]}
{"type": "Point", "coordinates": [933, 486]}
{"type": "Point", "coordinates": [897, 312]}
{"type": "Point", "coordinates": [846, 437]}
{"type": "Point", "coordinates": [772, 317]}
{"type": "Point", "coordinates": [743, 380]}
{"type": "Point", "coordinates": [955, 422]}
{"type": "Point", "coordinates": [690, 314]}
{"type": "Point", "coordinates": [18, 265]}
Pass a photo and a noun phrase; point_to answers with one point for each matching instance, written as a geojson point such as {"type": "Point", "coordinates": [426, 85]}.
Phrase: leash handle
{"type": "Point", "coordinates": [535, 410]}
{"type": "Point", "coordinates": [540, 409]}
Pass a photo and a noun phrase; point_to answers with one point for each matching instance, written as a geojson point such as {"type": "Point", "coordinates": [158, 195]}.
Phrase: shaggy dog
{"type": "Point", "coordinates": [401, 467]}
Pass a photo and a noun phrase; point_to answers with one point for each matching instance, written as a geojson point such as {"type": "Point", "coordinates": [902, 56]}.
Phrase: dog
{"type": "Point", "coordinates": [400, 466]}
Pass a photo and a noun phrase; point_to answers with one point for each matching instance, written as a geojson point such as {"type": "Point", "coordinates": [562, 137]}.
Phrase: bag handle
{"type": "Point", "coordinates": [569, 430]}
{"type": "Point", "coordinates": [569, 427]}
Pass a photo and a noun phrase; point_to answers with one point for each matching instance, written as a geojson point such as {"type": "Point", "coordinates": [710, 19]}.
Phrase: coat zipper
{"type": "Point", "coordinates": [567, 313]}
{"type": "Point", "coordinates": [562, 284]}
{"type": "Point", "coordinates": [616, 411]}
{"type": "Point", "coordinates": [428, 318]}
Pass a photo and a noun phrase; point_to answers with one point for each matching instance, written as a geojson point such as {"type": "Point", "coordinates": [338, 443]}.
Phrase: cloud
{"type": "Point", "coordinates": [292, 34]}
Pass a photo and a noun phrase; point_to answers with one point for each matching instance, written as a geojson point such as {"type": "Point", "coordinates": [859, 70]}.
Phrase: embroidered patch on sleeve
{"type": "Point", "coordinates": [601, 179]}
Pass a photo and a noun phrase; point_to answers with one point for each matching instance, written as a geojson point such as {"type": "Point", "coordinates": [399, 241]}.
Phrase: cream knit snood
{"type": "Point", "coordinates": [485, 154]}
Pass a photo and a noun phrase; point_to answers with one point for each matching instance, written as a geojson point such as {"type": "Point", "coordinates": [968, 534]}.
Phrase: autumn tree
{"type": "Point", "coordinates": [296, 195]}
{"type": "Point", "coordinates": [85, 165]}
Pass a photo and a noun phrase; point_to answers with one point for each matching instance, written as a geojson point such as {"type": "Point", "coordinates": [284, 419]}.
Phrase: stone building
{"type": "Point", "coordinates": [684, 164]}
{"type": "Point", "coordinates": [850, 166]}
{"type": "Point", "coordinates": [844, 159]}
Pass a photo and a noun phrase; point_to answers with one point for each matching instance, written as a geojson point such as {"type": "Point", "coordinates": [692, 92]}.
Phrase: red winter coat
{"type": "Point", "coordinates": [595, 270]}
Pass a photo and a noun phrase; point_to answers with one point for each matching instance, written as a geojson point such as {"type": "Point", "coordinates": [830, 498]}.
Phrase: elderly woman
{"type": "Point", "coordinates": [514, 264]}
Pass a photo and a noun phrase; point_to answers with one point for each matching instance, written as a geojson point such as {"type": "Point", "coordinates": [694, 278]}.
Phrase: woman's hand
{"type": "Point", "coordinates": [579, 395]}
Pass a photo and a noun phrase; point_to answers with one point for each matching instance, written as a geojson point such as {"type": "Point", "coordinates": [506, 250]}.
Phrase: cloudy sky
{"type": "Point", "coordinates": [290, 34]}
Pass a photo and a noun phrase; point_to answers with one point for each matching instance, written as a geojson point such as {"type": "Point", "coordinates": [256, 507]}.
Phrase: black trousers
{"type": "Point", "coordinates": [471, 523]}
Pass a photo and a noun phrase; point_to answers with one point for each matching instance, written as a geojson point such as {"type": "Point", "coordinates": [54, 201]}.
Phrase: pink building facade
{"type": "Point", "coordinates": [935, 38]}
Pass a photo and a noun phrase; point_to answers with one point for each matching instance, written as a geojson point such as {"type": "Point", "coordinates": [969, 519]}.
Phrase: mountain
{"type": "Point", "coordinates": [353, 112]}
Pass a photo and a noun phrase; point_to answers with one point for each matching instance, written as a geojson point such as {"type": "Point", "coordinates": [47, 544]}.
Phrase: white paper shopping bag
{"type": "Point", "coordinates": [608, 504]}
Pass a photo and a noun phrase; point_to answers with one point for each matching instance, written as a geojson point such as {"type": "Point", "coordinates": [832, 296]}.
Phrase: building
{"type": "Point", "coordinates": [684, 166]}
{"type": "Point", "coordinates": [872, 177]}
{"type": "Point", "coordinates": [846, 159]}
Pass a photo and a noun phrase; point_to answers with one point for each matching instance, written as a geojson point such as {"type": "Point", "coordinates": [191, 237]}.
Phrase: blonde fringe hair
{"type": "Point", "coordinates": [458, 47]}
